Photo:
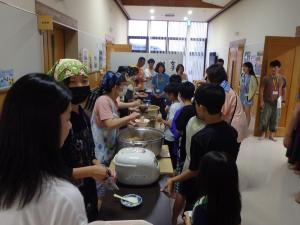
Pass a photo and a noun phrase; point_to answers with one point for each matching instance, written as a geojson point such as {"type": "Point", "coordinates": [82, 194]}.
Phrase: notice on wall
{"type": "Point", "coordinates": [6, 78]}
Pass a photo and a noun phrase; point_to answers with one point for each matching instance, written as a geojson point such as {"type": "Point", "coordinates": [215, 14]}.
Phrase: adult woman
{"type": "Point", "coordinates": [248, 86]}
{"type": "Point", "coordinates": [219, 180]}
{"type": "Point", "coordinates": [159, 82]}
{"type": "Point", "coordinates": [34, 123]}
{"type": "Point", "coordinates": [232, 110]}
{"type": "Point", "coordinates": [105, 118]}
{"type": "Point", "coordinates": [78, 150]}
{"type": "Point", "coordinates": [180, 71]}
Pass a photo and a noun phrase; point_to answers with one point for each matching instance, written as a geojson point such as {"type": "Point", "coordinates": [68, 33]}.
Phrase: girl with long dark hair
{"type": "Point", "coordinates": [221, 201]}
{"type": "Point", "coordinates": [248, 87]}
{"type": "Point", "coordinates": [34, 186]}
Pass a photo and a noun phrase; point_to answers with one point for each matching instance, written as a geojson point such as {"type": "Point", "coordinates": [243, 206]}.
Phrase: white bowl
{"type": "Point", "coordinates": [141, 123]}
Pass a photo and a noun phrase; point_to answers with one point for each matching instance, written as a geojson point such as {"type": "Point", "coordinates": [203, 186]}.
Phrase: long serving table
{"type": "Point", "coordinates": [155, 208]}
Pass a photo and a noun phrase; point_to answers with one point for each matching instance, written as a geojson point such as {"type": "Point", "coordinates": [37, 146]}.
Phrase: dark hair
{"type": "Point", "coordinates": [211, 96]}
{"type": "Point", "coordinates": [187, 90]}
{"type": "Point", "coordinates": [30, 125]}
{"type": "Point", "coordinates": [110, 80]}
{"type": "Point", "coordinates": [218, 176]}
{"type": "Point", "coordinates": [275, 63]}
{"type": "Point", "coordinates": [216, 74]}
{"type": "Point", "coordinates": [151, 61]}
{"type": "Point", "coordinates": [179, 66]}
{"type": "Point", "coordinates": [159, 65]}
{"type": "Point", "coordinates": [141, 59]}
{"type": "Point", "coordinates": [220, 60]}
{"type": "Point", "coordinates": [130, 71]}
{"type": "Point", "coordinates": [175, 79]}
{"type": "Point", "coordinates": [250, 67]}
{"type": "Point", "coordinates": [172, 88]}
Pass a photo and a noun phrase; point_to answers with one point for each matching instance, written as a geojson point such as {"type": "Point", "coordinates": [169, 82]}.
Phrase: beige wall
{"type": "Point", "coordinates": [96, 18]}
{"type": "Point", "coordinates": [253, 20]}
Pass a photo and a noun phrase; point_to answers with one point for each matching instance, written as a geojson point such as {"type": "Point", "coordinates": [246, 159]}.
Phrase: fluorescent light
{"type": "Point", "coordinates": [185, 18]}
{"type": "Point", "coordinates": [152, 11]}
{"type": "Point", "coordinates": [152, 17]}
{"type": "Point", "coordinates": [190, 12]}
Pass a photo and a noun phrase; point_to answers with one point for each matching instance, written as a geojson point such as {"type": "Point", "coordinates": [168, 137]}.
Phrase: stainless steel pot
{"type": "Point", "coordinates": [148, 138]}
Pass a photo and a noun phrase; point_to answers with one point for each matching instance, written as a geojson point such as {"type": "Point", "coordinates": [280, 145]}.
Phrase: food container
{"type": "Point", "coordinates": [152, 110]}
{"type": "Point", "coordinates": [147, 137]}
{"type": "Point", "coordinates": [142, 122]}
{"type": "Point", "coordinates": [136, 166]}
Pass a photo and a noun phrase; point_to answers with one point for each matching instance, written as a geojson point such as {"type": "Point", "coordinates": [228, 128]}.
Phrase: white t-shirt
{"type": "Point", "coordinates": [149, 73]}
{"type": "Point", "coordinates": [173, 108]}
{"type": "Point", "coordinates": [194, 125]}
{"type": "Point", "coordinates": [60, 203]}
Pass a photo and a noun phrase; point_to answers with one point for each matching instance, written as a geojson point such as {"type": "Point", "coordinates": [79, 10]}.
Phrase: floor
{"type": "Point", "coordinates": [267, 186]}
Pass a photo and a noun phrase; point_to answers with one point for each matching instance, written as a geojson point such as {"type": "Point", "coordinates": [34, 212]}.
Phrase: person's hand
{"type": "Point", "coordinates": [134, 115]}
{"type": "Point", "coordinates": [169, 186]}
{"type": "Point", "coordinates": [137, 103]}
{"type": "Point", "coordinates": [99, 172]}
{"type": "Point", "coordinates": [159, 120]}
{"type": "Point", "coordinates": [287, 141]}
{"type": "Point", "coordinates": [96, 162]}
{"type": "Point", "coordinates": [131, 124]}
{"type": "Point", "coordinates": [187, 218]}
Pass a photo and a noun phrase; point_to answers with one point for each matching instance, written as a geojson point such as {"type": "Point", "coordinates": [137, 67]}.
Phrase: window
{"type": "Point", "coordinates": [198, 30]}
{"type": "Point", "coordinates": [176, 45]}
{"type": "Point", "coordinates": [158, 28]}
{"type": "Point", "coordinates": [137, 28]}
{"type": "Point", "coordinates": [157, 45]}
{"type": "Point", "coordinates": [177, 29]}
{"type": "Point", "coordinates": [138, 44]}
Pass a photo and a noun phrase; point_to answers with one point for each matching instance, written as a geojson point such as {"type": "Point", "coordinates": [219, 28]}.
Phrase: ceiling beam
{"type": "Point", "coordinates": [226, 7]}
{"type": "Point", "coordinates": [170, 3]}
{"type": "Point", "coordinates": [122, 8]}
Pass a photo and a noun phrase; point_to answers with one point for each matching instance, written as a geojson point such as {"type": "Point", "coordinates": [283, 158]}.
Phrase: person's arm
{"type": "Point", "coordinates": [165, 122]}
{"type": "Point", "coordinates": [126, 105]}
{"type": "Point", "coordinates": [120, 122]}
{"type": "Point", "coordinates": [97, 172]}
{"type": "Point", "coordinates": [182, 177]}
{"type": "Point", "coordinates": [292, 125]}
{"type": "Point", "coordinates": [187, 218]}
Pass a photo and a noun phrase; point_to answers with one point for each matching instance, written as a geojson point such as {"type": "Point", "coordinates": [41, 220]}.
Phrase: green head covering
{"type": "Point", "coordinates": [65, 68]}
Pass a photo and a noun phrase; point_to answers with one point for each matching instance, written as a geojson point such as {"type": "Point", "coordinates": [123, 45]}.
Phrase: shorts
{"type": "Point", "coordinates": [190, 190]}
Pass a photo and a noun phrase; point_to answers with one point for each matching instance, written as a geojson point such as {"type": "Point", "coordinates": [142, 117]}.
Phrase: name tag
{"type": "Point", "coordinates": [157, 90]}
{"type": "Point", "coordinates": [246, 94]}
{"type": "Point", "coordinates": [275, 92]}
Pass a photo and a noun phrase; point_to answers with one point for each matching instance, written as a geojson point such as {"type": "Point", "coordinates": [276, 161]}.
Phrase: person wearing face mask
{"type": "Point", "coordinates": [105, 117]}
{"type": "Point", "coordinates": [78, 149]}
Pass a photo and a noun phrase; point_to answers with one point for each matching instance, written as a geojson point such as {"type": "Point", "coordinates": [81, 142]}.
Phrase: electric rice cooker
{"type": "Point", "coordinates": [136, 166]}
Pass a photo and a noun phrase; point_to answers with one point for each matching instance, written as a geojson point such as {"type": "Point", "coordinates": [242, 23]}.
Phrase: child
{"type": "Point", "coordinates": [221, 203]}
{"type": "Point", "coordinates": [217, 135]}
{"type": "Point", "coordinates": [181, 119]}
{"type": "Point", "coordinates": [172, 93]}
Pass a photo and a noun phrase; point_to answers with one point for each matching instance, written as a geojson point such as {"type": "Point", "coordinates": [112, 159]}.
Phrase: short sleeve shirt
{"type": "Point", "coordinates": [159, 82]}
{"type": "Point", "coordinates": [104, 109]}
{"type": "Point", "coordinates": [219, 137]}
{"type": "Point", "coordinates": [173, 108]}
{"type": "Point", "coordinates": [273, 86]}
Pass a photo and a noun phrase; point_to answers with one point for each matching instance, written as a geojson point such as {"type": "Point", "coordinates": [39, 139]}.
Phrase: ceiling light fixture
{"type": "Point", "coordinates": [152, 17]}
{"type": "Point", "coordinates": [185, 18]}
{"type": "Point", "coordinates": [152, 11]}
{"type": "Point", "coordinates": [190, 12]}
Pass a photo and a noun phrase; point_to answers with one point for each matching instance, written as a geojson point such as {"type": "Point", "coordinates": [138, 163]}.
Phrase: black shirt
{"type": "Point", "coordinates": [181, 122]}
{"type": "Point", "coordinates": [79, 151]}
{"type": "Point", "coordinates": [200, 216]}
{"type": "Point", "coordinates": [213, 137]}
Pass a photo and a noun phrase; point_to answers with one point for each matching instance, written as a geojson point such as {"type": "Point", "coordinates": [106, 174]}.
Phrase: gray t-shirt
{"type": "Point", "coordinates": [194, 125]}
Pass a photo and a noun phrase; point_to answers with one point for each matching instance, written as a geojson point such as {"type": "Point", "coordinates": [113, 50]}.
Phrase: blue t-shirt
{"type": "Point", "coordinates": [159, 82]}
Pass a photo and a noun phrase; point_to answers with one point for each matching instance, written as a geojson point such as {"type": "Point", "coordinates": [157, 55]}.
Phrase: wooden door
{"type": "Point", "coordinates": [53, 46]}
{"type": "Point", "coordinates": [235, 61]}
{"type": "Point", "coordinates": [287, 51]}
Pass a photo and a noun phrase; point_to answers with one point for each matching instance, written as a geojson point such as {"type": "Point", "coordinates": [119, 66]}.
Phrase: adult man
{"type": "Point", "coordinates": [149, 73]}
{"type": "Point", "coordinates": [140, 78]}
{"type": "Point", "coordinates": [272, 94]}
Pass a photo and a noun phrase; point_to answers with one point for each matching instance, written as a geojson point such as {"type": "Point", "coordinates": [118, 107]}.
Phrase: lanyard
{"type": "Point", "coordinates": [275, 83]}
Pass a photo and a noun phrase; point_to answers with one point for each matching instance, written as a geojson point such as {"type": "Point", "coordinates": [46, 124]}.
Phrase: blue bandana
{"type": "Point", "coordinates": [110, 79]}
{"type": "Point", "coordinates": [225, 85]}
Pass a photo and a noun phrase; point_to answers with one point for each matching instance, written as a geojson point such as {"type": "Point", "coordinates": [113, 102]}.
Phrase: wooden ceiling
{"type": "Point", "coordinates": [170, 3]}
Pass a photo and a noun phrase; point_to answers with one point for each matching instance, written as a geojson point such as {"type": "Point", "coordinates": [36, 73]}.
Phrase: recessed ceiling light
{"type": "Point", "coordinates": [152, 11]}
{"type": "Point", "coordinates": [185, 18]}
{"type": "Point", "coordinates": [190, 12]}
{"type": "Point", "coordinates": [152, 17]}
